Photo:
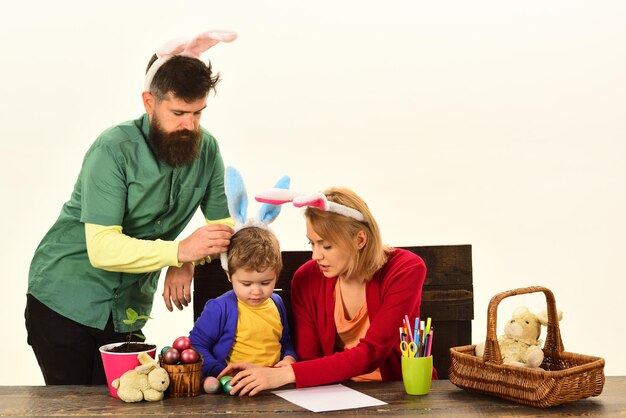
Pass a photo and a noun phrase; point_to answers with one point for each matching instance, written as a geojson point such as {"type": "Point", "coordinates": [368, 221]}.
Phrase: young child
{"type": "Point", "coordinates": [248, 323]}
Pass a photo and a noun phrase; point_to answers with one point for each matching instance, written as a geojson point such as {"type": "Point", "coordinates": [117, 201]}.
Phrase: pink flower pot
{"type": "Point", "coordinates": [116, 364]}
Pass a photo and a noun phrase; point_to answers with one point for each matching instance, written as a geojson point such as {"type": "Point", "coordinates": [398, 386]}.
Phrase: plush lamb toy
{"type": "Point", "coordinates": [520, 345]}
{"type": "Point", "coordinates": [147, 381]}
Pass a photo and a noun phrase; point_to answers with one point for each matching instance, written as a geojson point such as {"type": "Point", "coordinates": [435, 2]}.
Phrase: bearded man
{"type": "Point", "coordinates": [140, 184]}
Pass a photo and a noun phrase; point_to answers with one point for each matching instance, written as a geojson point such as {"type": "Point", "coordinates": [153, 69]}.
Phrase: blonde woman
{"type": "Point", "coordinates": [348, 301]}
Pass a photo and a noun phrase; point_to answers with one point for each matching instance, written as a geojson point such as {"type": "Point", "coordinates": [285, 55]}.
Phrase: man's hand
{"type": "Point", "coordinates": [207, 240]}
{"type": "Point", "coordinates": [177, 286]}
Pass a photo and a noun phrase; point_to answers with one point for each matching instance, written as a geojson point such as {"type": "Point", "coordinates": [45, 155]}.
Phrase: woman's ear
{"type": "Point", "coordinates": [361, 239]}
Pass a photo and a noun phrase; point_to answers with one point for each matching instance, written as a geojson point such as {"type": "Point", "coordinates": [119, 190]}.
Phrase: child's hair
{"type": "Point", "coordinates": [254, 248]}
{"type": "Point", "coordinates": [341, 231]}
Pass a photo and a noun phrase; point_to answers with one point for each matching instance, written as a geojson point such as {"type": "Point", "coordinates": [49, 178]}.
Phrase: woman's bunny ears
{"type": "Point", "coordinates": [278, 196]}
{"type": "Point", "coordinates": [182, 46]}
{"type": "Point", "coordinates": [238, 205]}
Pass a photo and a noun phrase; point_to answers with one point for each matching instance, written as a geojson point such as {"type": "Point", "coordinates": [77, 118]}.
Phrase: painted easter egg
{"type": "Point", "coordinates": [225, 381]}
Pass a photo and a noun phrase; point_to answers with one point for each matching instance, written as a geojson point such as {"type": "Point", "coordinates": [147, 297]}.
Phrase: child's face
{"type": "Point", "coordinates": [253, 287]}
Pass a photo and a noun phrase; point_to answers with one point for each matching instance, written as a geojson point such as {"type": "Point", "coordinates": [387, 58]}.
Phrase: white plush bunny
{"type": "Point", "coordinates": [238, 205]}
{"type": "Point", "coordinates": [520, 345]}
{"type": "Point", "coordinates": [147, 381]}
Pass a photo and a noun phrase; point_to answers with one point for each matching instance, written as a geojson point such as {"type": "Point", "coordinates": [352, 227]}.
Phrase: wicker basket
{"type": "Point", "coordinates": [566, 377]}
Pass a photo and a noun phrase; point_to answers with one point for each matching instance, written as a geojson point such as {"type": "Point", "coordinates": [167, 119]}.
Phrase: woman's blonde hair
{"type": "Point", "coordinates": [342, 230]}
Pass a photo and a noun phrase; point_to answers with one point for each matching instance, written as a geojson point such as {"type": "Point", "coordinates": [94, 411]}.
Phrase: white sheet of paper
{"type": "Point", "coordinates": [328, 398]}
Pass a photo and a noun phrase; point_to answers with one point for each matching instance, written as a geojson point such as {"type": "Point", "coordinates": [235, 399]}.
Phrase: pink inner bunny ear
{"type": "Point", "coordinates": [317, 200]}
{"type": "Point", "coordinates": [198, 46]}
{"type": "Point", "coordinates": [206, 40]}
{"type": "Point", "coordinates": [222, 36]}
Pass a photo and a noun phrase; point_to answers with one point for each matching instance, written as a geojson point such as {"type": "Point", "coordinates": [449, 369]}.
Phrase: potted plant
{"type": "Point", "coordinates": [120, 357]}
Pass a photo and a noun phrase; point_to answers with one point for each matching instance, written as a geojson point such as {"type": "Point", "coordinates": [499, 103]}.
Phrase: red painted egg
{"type": "Point", "coordinates": [181, 343]}
{"type": "Point", "coordinates": [171, 356]}
{"type": "Point", "coordinates": [189, 356]}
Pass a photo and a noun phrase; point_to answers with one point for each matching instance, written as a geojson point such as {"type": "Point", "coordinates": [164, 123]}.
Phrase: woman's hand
{"type": "Point", "coordinates": [234, 368]}
{"type": "Point", "coordinates": [251, 379]}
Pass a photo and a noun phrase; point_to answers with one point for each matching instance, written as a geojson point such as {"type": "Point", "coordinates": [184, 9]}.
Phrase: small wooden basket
{"type": "Point", "coordinates": [565, 377]}
{"type": "Point", "coordinates": [185, 379]}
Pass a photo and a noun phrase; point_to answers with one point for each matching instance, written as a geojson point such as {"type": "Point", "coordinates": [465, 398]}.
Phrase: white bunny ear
{"type": "Point", "coordinates": [236, 195]}
{"type": "Point", "coordinates": [182, 46]}
{"type": "Point", "coordinates": [269, 211]}
{"type": "Point", "coordinates": [206, 40]}
{"type": "Point", "coordinates": [316, 200]}
{"type": "Point", "coordinates": [319, 200]}
{"type": "Point", "coordinates": [276, 196]}
{"type": "Point", "coordinates": [164, 53]}
{"type": "Point", "coordinates": [173, 47]}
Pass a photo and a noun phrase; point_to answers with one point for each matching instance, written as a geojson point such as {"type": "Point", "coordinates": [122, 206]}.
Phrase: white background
{"type": "Point", "coordinates": [496, 124]}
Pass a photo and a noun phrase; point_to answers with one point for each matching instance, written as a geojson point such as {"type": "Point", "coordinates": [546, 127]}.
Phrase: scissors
{"type": "Point", "coordinates": [409, 349]}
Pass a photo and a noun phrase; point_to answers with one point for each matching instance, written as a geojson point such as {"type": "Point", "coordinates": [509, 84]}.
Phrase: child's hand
{"type": "Point", "coordinates": [286, 361]}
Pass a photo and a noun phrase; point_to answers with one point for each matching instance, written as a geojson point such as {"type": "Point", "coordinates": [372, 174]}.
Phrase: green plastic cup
{"type": "Point", "coordinates": [417, 374]}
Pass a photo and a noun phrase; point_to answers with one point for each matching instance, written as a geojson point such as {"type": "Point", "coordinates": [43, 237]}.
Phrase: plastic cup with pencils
{"type": "Point", "coordinates": [417, 360]}
{"type": "Point", "coordinates": [417, 374]}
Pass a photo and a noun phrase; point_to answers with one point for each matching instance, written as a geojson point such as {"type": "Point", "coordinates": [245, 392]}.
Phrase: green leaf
{"type": "Point", "coordinates": [131, 314]}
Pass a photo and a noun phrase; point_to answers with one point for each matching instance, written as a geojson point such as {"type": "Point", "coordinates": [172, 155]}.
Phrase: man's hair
{"type": "Point", "coordinates": [342, 230]}
{"type": "Point", "coordinates": [255, 249]}
{"type": "Point", "coordinates": [186, 78]}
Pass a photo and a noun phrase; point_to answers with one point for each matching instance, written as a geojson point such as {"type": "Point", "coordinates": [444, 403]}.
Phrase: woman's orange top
{"type": "Point", "coordinates": [350, 331]}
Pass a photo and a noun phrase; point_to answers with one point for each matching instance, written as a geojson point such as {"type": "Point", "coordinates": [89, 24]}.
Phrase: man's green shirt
{"type": "Point", "coordinates": [121, 182]}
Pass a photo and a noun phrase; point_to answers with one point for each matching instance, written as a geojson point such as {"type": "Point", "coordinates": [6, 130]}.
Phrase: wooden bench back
{"type": "Point", "coordinates": [447, 295]}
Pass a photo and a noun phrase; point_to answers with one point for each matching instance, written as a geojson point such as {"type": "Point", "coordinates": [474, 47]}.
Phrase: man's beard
{"type": "Point", "coordinates": [177, 148]}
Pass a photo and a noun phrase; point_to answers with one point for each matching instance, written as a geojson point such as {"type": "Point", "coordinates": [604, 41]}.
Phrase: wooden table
{"type": "Point", "coordinates": [444, 399]}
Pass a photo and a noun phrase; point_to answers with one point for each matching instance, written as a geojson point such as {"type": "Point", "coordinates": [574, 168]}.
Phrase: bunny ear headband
{"type": "Point", "coordinates": [278, 196]}
{"type": "Point", "coordinates": [182, 46]}
{"type": "Point", "coordinates": [238, 205]}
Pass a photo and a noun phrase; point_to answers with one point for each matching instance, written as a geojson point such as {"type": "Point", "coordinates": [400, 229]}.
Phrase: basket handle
{"type": "Point", "coordinates": [553, 335]}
